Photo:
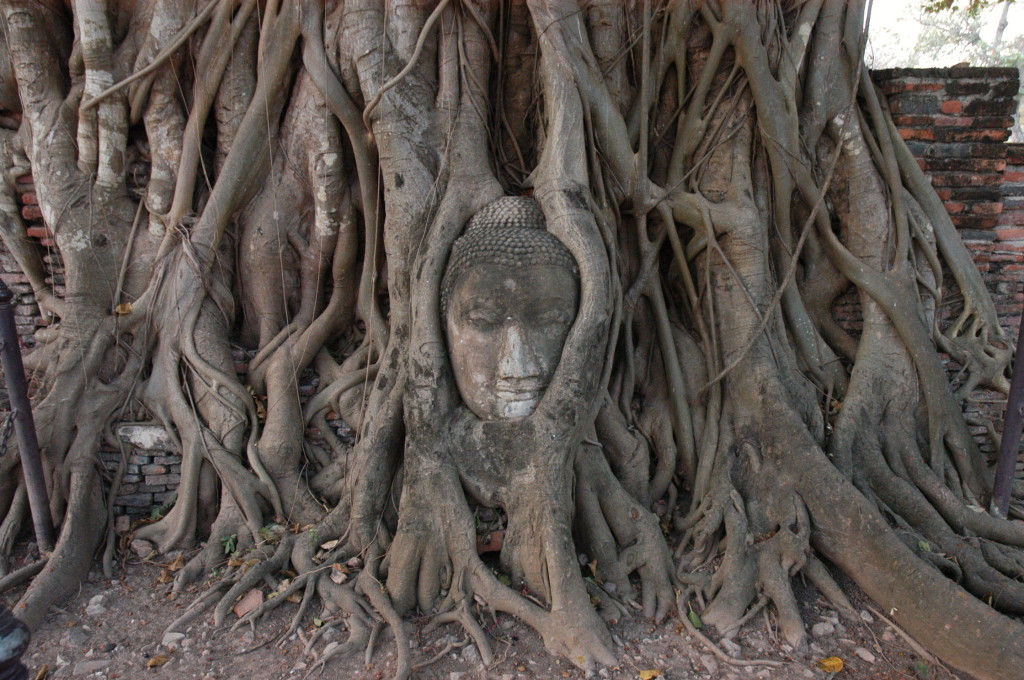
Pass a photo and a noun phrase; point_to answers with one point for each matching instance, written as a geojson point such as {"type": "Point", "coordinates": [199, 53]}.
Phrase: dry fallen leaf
{"type": "Point", "coordinates": [165, 576]}
{"type": "Point", "coordinates": [339, 573]}
{"type": "Point", "coordinates": [178, 564]}
{"type": "Point", "coordinates": [43, 672]}
{"type": "Point", "coordinates": [650, 674]}
{"type": "Point", "coordinates": [157, 661]}
{"type": "Point", "coordinates": [123, 308]}
{"type": "Point", "coordinates": [832, 664]}
{"type": "Point", "coordinates": [249, 601]}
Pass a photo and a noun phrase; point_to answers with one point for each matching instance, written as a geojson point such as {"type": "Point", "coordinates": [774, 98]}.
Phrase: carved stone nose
{"type": "Point", "coordinates": [517, 358]}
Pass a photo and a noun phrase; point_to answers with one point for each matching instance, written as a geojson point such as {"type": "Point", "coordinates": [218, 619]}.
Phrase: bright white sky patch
{"type": "Point", "coordinates": [895, 27]}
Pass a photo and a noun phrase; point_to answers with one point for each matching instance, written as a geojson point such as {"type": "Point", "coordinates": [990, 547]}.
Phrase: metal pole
{"type": "Point", "coordinates": [1012, 426]}
{"type": "Point", "coordinates": [24, 425]}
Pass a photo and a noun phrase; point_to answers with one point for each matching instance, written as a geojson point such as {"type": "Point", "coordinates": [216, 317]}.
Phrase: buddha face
{"type": "Point", "coordinates": [506, 327]}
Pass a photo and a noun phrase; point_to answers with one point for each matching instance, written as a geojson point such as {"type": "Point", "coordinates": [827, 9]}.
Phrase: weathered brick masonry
{"type": "Point", "coordinates": [955, 121]}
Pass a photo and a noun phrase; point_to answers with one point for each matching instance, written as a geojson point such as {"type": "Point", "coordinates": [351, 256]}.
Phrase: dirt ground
{"type": "Point", "coordinates": [115, 629]}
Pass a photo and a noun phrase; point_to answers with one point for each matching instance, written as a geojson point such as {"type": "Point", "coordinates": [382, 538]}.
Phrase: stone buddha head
{"type": "Point", "coordinates": [509, 297]}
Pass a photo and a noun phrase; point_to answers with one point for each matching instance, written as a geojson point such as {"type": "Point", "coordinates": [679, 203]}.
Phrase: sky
{"type": "Point", "coordinates": [894, 30]}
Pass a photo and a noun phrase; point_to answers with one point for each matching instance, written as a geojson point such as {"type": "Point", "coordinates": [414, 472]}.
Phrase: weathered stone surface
{"type": "Point", "coordinates": [89, 667]}
{"type": "Point", "coordinates": [146, 437]}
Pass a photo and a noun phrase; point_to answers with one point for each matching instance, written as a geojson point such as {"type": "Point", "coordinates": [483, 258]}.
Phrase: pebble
{"type": "Point", "coordinates": [87, 667]}
{"type": "Point", "coordinates": [888, 636]}
{"type": "Point", "coordinates": [866, 616]}
{"type": "Point", "coordinates": [823, 629]}
{"type": "Point", "coordinates": [95, 606]}
{"type": "Point", "coordinates": [710, 663]}
{"type": "Point", "coordinates": [732, 648]}
{"type": "Point", "coordinates": [470, 654]}
{"type": "Point", "coordinates": [142, 548]}
{"type": "Point", "coordinates": [864, 654]}
{"type": "Point", "coordinates": [171, 640]}
{"type": "Point", "coordinates": [76, 637]}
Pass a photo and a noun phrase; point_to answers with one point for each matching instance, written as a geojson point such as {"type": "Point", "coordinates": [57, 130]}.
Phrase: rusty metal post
{"type": "Point", "coordinates": [24, 425]}
{"type": "Point", "coordinates": [1012, 427]}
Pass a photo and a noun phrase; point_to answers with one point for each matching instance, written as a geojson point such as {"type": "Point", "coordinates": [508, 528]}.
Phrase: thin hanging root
{"type": "Point", "coordinates": [300, 582]}
{"type": "Point", "coordinates": [382, 603]}
{"type": "Point", "coordinates": [759, 604]}
{"type": "Point", "coordinates": [918, 649]}
{"type": "Point", "coordinates": [250, 578]}
{"type": "Point", "coordinates": [359, 638]}
{"type": "Point", "coordinates": [408, 67]}
{"type": "Point", "coordinates": [200, 605]}
{"type": "Point", "coordinates": [437, 657]}
{"type": "Point", "coordinates": [462, 615]}
{"type": "Point", "coordinates": [827, 586]}
{"type": "Point", "coordinates": [715, 649]}
{"type": "Point", "coordinates": [329, 624]}
{"type": "Point", "coordinates": [16, 578]}
{"type": "Point", "coordinates": [611, 608]}
{"type": "Point", "coordinates": [371, 644]}
{"type": "Point", "coordinates": [307, 600]}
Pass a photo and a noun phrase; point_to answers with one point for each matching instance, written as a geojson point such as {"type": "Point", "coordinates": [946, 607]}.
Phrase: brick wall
{"type": "Point", "coordinates": [956, 123]}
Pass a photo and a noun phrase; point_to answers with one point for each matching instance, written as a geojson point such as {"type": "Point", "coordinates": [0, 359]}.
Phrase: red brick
{"type": "Point", "coordinates": [970, 135]}
{"type": "Point", "coordinates": [940, 164]}
{"type": "Point", "coordinates": [1013, 176]}
{"type": "Point", "coordinates": [986, 208]}
{"type": "Point", "coordinates": [896, 86]}
{"type": "Point", "coordinates": [1010, 234]}
{"type": "Point", "coordinates": [37, 231]}
{"type": "Point", "coordinates": [992, 122]}
{"type": "Point", "coordinates": [966, 179]}
{"type": "Point", "coordinates": [944, 194]}
{"type": "Point", "coordinates": [29, 198]}
{"type": "Point", "coordinates": [950, 121]}
{"type": "Point", "coordinates": [953, 208]}
{"type": "Point", "coordinates": [32, 212]}
{"type": "Point", "coordinates": [1012, 218]}
{"type": "Point", "coordinates": [974, 221]}
{"type": "Point", "coordinates": [912, 120]}
{"type": "Point", "coordinates": [952, 106]}
{"type": "Point", "coordinates": [920, 135]}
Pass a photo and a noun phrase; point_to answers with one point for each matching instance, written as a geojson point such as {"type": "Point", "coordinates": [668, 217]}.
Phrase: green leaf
{"type": "Point", "coordinates": [695, 619]}
{"type": "Point", "coordinates": [229, 543]}
{"type": "Point", "coordinates": [925, 546]}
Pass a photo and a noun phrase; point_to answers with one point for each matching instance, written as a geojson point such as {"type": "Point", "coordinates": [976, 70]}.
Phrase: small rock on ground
{"type": "Point", "coordinates": [87, 667]}
{"type": "Point", "coordinates": [823, 629]}
{"type": "Point", "coordinates": [172, 639]}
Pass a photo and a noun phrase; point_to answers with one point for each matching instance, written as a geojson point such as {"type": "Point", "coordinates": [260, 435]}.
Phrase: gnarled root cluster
{"type": "Point", "coordinates": [282, 183]}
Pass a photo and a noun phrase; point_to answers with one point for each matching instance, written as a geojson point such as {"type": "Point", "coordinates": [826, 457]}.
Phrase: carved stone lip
{"type": "Point", "coordinates": [520, 389]}
{"type": "Point", "coordinates": [529, 396]}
